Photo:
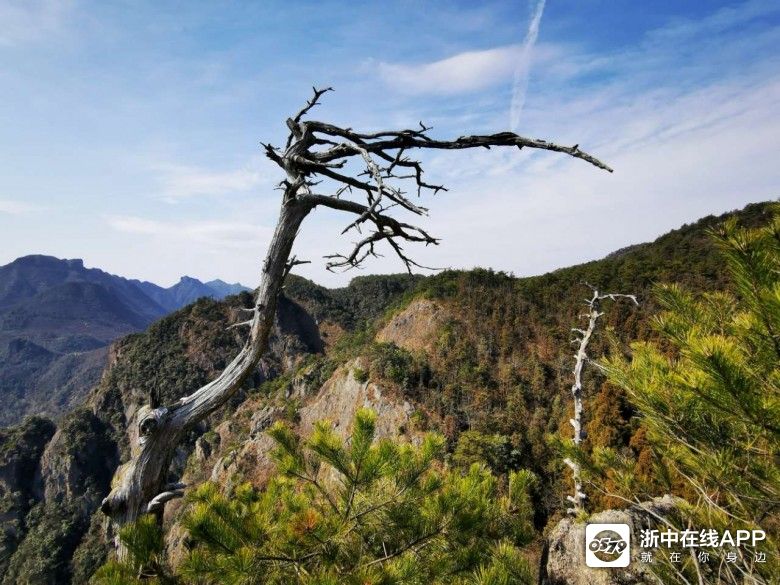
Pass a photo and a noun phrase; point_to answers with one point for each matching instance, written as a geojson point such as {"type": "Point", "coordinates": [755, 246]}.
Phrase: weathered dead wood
{"type": "Point", "coordinates": [580, 359]}
{"type": "Point", "coordinates": [314, 151]}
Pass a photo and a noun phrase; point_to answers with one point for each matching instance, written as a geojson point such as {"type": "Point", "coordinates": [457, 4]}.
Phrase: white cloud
{"type": "Point", "coordinates": [464, 72]}
{"type": "Point", "coordinates": [180, 181]}
{"type": "Point", "coordinates": [707, 151]}
{"type": "Point", "coordinates": [686, 114]}
{"type": "Point", "coordinates": [12, 207]}
{"type": "Point", "coordinates": [717, 22]}
{"type": "Point", "coordinates": [220, 234]}
{"type": "Point", "coordinates": [689, 123]}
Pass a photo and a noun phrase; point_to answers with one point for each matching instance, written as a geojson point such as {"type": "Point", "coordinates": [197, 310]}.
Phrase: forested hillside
{"type": "Point", "coordinates": [58, 317]}
{"type": "Point", "coordinates": [482, 357]}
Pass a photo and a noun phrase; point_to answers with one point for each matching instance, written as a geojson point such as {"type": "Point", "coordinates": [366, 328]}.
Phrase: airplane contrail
{"type": "Point", "coordinates": [523, 68]}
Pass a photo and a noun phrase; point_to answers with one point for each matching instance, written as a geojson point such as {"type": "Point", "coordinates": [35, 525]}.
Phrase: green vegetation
{"type": "Point", "coordinates": [360, 375]}
{"type": "Point", "coordinates": [53, 527]}
{"type": "Point", "coordinates": [494, 382]}
{"type": "Point", "coordinates": [394, 364]}
{"type": "Point", "coordinates": [709, 398]}
{"type": "Point", "coordinates": [355, 512]}
{"type": "Point", "coordinates": [502, 363]}
{"type": "Point", "coordinates": [22, 445]}
{"type": "Point", "coordinates": [363, 300]}
{"type": "Point", "coordinates": [495, 451]}
{"type": "Point", "coordinates": [20, 450]}
{"type": "Point", "coordinates": [45, 554]}
{"type": "Point", "coordinates": [157, 357]}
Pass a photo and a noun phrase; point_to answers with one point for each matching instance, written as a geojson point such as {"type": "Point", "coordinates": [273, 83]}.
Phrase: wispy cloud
{"type": "Point", "coordinates": [223, 234]}
{"type": "Point", "coordinates": [31, 20]}
{"type": "Point", "coordinates": [464, 72]}
{"type": "Point", "coordinates": [181, 181]}
{"type": "Point", "coordinates": [523, 67]}
{"type": "Point", "coordinates": [686, 113]}
{"type": "Point", "coordinates": [717, 22]}
{"type": "Point", "coordinates": [473, 71]}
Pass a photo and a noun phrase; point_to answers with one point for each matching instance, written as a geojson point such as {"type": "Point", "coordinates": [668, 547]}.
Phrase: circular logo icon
{"type": "Point", "coordinates": [607, 546]}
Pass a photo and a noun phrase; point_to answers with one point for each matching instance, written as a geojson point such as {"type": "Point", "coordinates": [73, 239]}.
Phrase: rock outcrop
{"type": "Point", "coordinates": [20, 451]}
{"type": "Point", "coordinates": [417, 327]}
{"type": "Point", "coordinates": [52, 529]}
{"type": "Point", "coordinates": [239, 450]}
{"type": "Point", "coordinates": [344, 394]}
{"type": "Point", "coordinates": [563, 560]}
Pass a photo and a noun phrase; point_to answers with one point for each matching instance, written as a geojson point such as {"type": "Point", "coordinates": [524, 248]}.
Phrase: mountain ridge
{"type": "Point", "coordinates": [480, 356]}
{"type": "Point", "coordinates": [61, 316]}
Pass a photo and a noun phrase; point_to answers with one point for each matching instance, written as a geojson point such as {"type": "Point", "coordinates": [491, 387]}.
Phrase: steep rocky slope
{"type": "Point", "coordinates": [20, 453]}
{"type": "Point", "coordinates": [469, 351]}
{"type": "Point", "coordinates": [57, 318]}
{"type": "Point", "coordinates": [74, 466]}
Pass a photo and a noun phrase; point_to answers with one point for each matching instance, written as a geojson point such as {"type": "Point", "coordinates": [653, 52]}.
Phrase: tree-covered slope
{"type": "Point", "coordinates": [482, 357]}
{"type": "Point", "coordinates": [57, 318]}
{"type": "Point", "coordinates": [500, 359]}
{"type": "Point", "coordinates": [364, 299]}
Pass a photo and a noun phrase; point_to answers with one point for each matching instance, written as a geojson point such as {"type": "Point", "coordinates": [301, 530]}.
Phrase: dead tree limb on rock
{"type": "Point", "coordinates": [580, 360]}
{"type": "Point", "coordinates": [363, 174]}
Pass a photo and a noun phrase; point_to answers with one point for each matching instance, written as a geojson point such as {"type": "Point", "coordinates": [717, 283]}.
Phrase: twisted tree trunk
{"type": "Point", "coordinates": [580, 359]}
{"type": "Point", "coordinates": [141, 483]}
{"type": "Point", "coordinates": [313, 150]}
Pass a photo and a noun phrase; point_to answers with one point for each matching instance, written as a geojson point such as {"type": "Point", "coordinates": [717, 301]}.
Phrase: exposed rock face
{"type": "Point", "coordinates": [79, 460]}
{"type": "Point", "coordinates": [563, 562]}
{"type": "Point", "coordinates": [239, 450]}
{"type": "Point", "coordinates": [343, 395]}
{"type": "Point", "coordinates": [188, 348]}
{"type": "Point", "coordinates": [20, 451]}
{"type": "Point", "coordinates": [52, 529]}
{"type": "Point", "coordinates": [67, 484]}
{"type": "Point", "coordinates": [415, 328]}
{"type": "Point", "coordinates": [243, 450]}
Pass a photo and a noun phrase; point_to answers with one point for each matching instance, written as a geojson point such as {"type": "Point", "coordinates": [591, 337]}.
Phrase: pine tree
{"type": "Point", "coordinates": [709, 398]}
{"type": "Point", "coordinates": [360, 511]}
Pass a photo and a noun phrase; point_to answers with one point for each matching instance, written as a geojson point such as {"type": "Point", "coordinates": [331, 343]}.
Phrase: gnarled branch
{"type": "Point", "coordinates": [580, 359]}
{"type": "Point", "coordinates": [314, 151]}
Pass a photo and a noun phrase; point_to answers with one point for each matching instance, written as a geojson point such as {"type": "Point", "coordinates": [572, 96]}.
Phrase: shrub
{"type": "Point", "coordinates": [361, 511]}
{"type": "Point", "coordinates": [708, 398]}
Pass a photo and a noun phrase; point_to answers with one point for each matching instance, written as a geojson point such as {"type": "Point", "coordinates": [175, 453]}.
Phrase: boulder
{"type": "Point", "coordinates": [563, 558]}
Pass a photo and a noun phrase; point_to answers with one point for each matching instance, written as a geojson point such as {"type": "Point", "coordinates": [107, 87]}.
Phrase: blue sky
{"type": "Point", "coordinates": [129, 131]}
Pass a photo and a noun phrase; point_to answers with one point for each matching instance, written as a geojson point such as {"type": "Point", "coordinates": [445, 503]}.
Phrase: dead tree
{"type": "Point", "coordinates": [580, 359]}
{"type": "Point", "coordinates": [358, 173]}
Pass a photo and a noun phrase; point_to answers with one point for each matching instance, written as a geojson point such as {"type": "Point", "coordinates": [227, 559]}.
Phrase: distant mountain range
{"type": "Point", "coordinates": [57, 318]}
{"type": "Point", "coordinates": [475, 350]}
{"type": "Point", "coordinates": [187, 290]}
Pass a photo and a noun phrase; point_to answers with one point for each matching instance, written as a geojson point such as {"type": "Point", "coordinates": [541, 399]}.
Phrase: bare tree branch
{"type": "Point", "coordinates": [314, 152]}
{"type": "Point", "coordinates": [292, 123]}
{"type": "Point", "coordinates": [580, 359]}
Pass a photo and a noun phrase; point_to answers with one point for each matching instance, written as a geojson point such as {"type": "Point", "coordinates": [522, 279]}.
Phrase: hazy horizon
{"type": "Point", "coordinates": [352, 273]}
{"type": "Point", "coordinates": [131, 135]}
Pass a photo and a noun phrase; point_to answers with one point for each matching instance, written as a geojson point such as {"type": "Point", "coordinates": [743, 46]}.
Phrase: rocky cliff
{"type": "Point", "coordinates": [57, 318]}
{"type": "Point", "coordinates": [469, 351]}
